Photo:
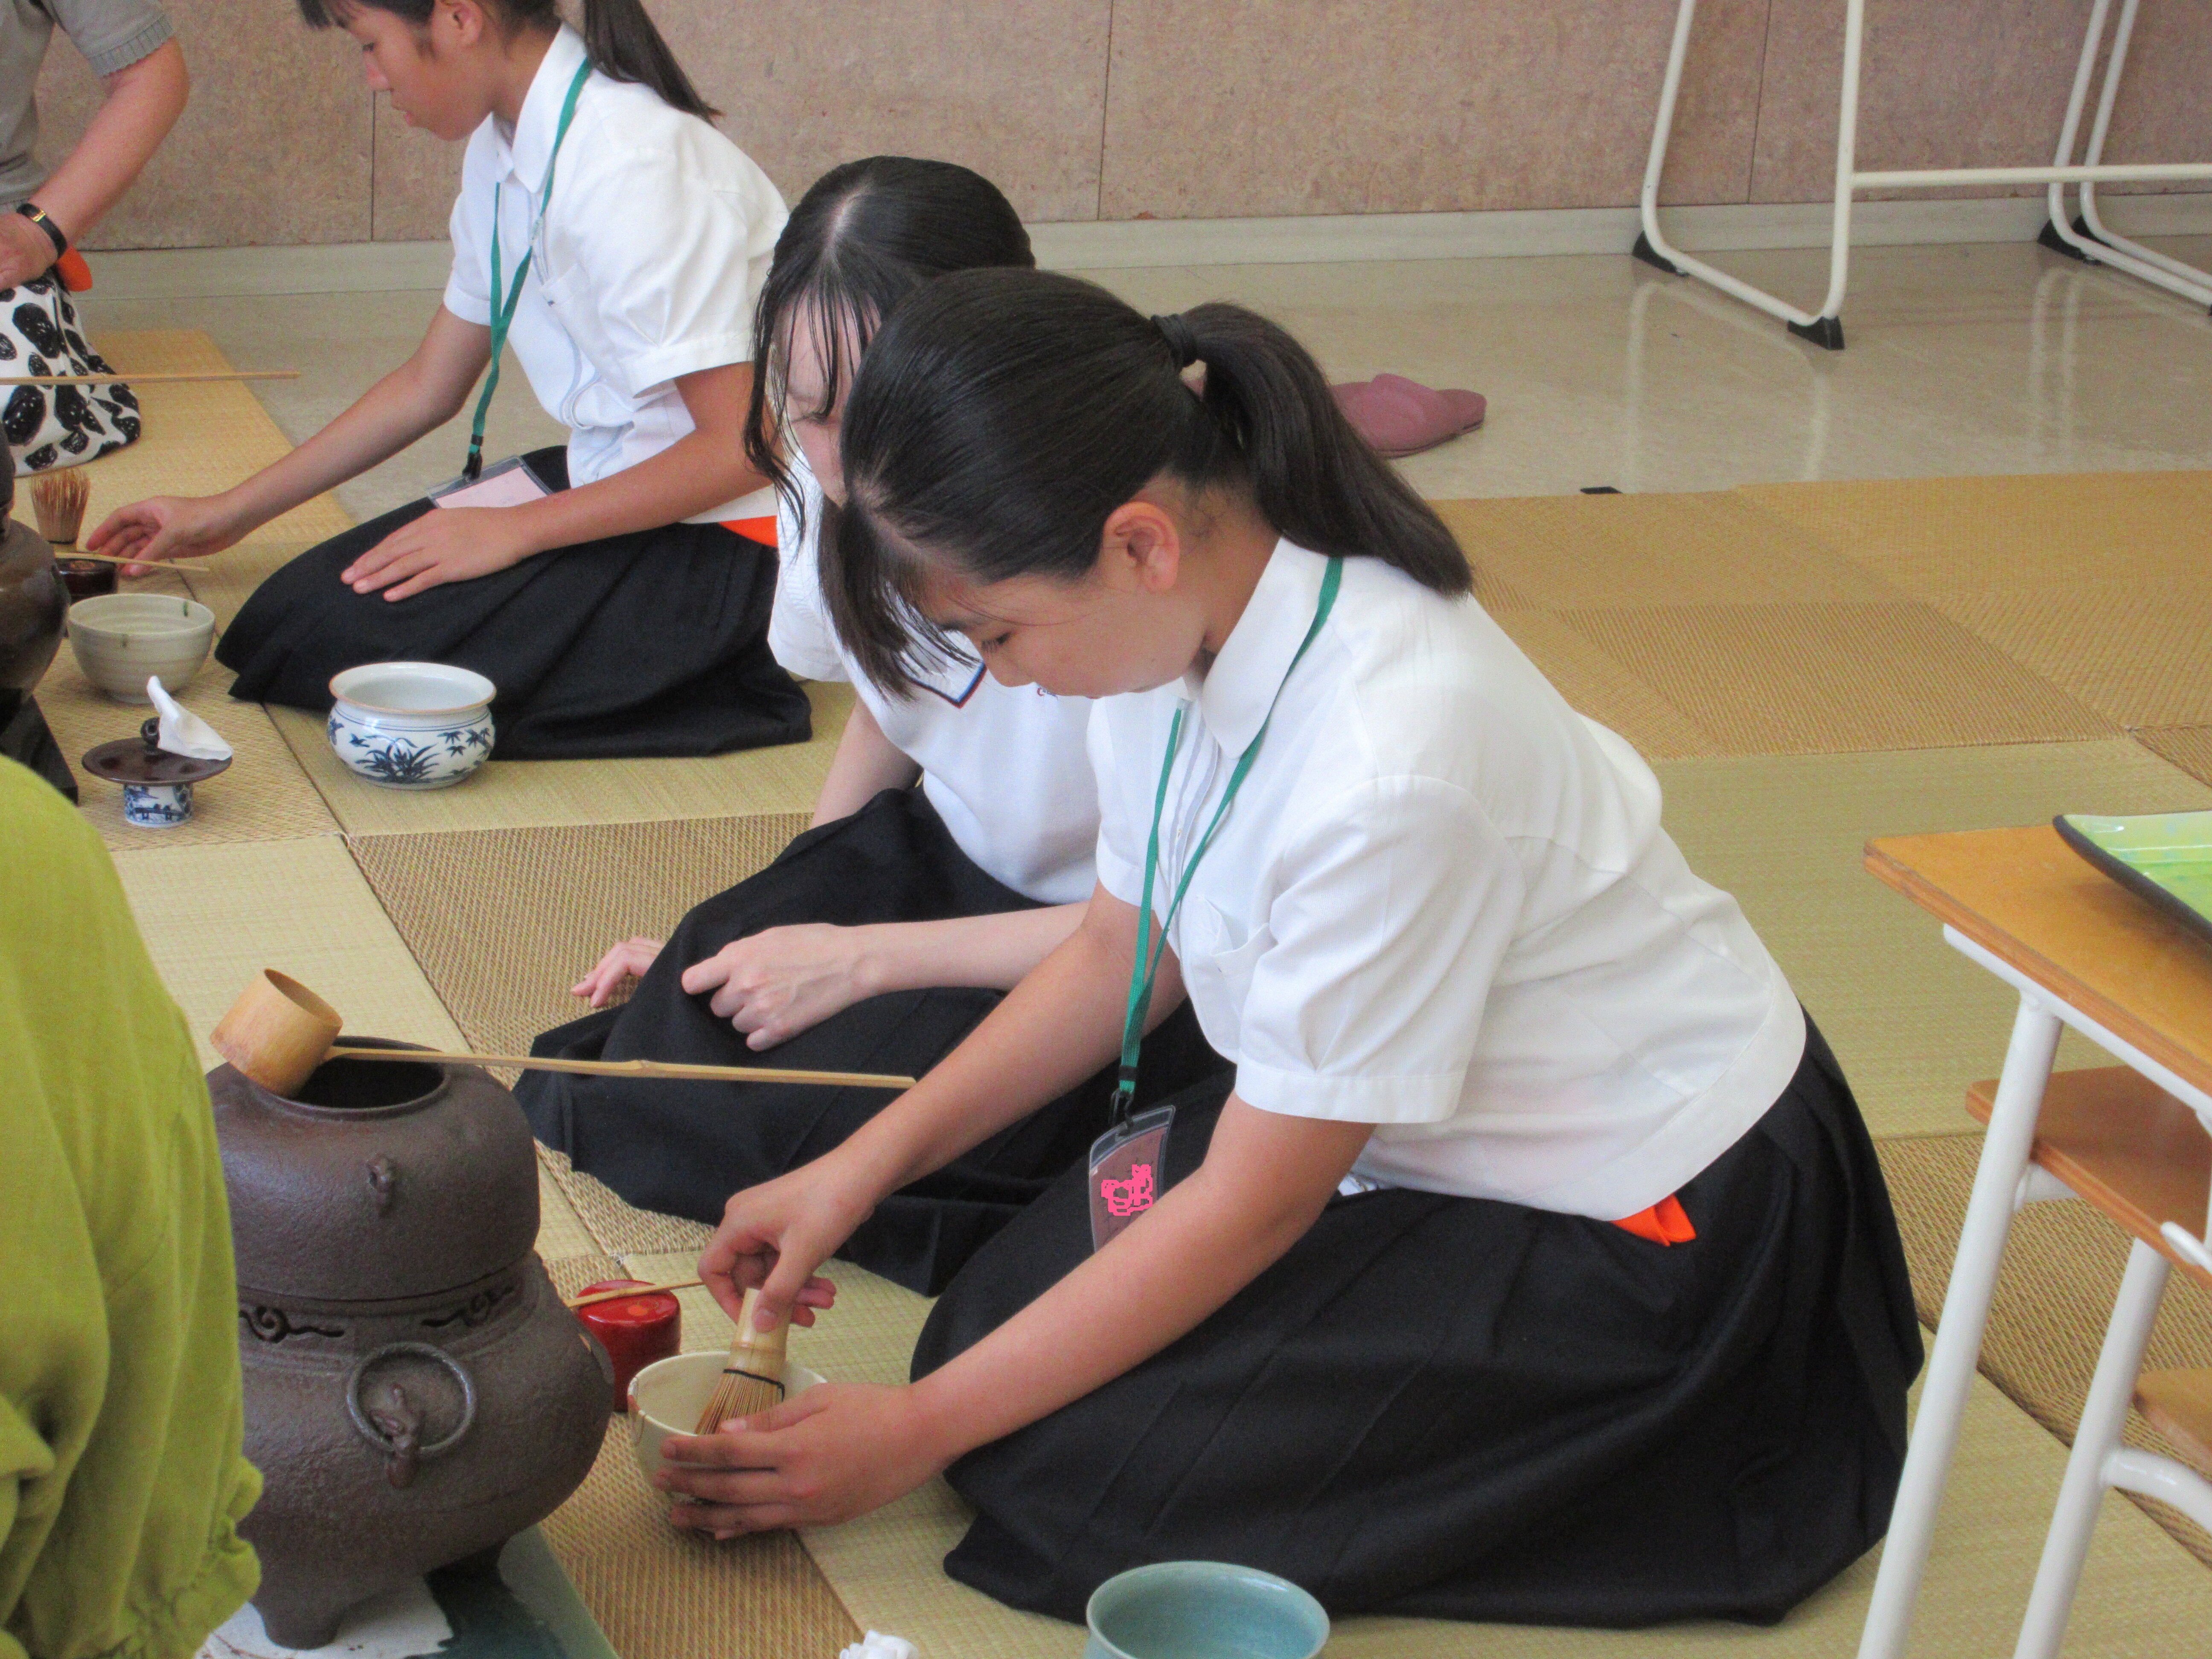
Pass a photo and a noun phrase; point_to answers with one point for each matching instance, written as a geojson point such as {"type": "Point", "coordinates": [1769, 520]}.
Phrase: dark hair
{"type": "Point", "coordinates": [1001, 416]}
{"type": "Point", "coordinates": [867, 234]}
{"type": "Point", "coordinates": [619, 37]}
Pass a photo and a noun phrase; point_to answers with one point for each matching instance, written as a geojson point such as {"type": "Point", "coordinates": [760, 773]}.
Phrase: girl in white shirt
{"type": "Point", "coordinates": [949, 852]}
{"type": "Point", "coordinates": [616, 240]}
{"type": "Point", "coordinates": [1533, 1264]}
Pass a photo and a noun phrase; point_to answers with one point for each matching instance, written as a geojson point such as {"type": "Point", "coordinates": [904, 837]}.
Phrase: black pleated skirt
{"type": "Point", "coordinates": [683, 1148]}
{"type": "Point", "coordinates": [654, 643]}
{"type": "Point", "coordinates": [1465, 1409]}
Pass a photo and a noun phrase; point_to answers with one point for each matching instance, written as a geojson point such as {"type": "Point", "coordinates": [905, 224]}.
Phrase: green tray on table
{"type": "Point", "coordinates": [2166, 857]}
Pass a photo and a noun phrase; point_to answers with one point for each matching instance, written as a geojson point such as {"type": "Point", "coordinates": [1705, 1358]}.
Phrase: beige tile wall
{"type": "Point", "coordinates": [1117, 109]}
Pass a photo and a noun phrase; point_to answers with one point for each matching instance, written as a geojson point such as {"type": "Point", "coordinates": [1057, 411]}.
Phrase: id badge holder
{"type": "Point", "coordinates": [510, 482]}
{"type": "Point", "coordinates": [1128, 1171]}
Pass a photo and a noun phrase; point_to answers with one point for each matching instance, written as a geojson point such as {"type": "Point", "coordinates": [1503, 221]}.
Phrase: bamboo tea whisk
{"type": "Point", "coordinates": [59, 498]}
{"type": "Point", "coordinates": [752, 1377]}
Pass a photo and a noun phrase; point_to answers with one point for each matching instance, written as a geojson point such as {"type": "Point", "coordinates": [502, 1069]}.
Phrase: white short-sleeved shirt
{"type": "Point", "coordinates": [646, 267]}
{"type": "Point", "coordinates": [1006, 768]}
{"type": "Point", "coordinates": [1443, 903]}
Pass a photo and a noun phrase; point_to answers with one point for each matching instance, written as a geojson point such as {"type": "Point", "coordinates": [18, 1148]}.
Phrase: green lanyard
{"type": "Point", "coordinates": [1146, 966]}
{"type": "Point", "coordinates": [502, 316]}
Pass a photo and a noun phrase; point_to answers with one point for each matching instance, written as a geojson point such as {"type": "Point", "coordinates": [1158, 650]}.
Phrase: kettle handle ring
{"type": "Point", "coordinates": [375, 1437]}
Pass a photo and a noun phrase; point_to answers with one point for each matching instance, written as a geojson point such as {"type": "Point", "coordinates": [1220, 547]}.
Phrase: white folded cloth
{"type": "Point", "coordinates": [182, 731]}
{"type": "Point", "coordinates": [877, 1645]}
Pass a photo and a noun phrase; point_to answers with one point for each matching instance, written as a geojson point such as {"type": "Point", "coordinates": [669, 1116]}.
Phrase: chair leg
{"type": "Point", "coordinates": [2104, 1417]}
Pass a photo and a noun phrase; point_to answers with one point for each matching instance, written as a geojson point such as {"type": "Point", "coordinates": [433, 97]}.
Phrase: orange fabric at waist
{"type": "Point", "coordinates": [753, 530]}
{"type": "Point", "coordinates": [76, 275]}
{"type": "Point", "coordinates": [1664, 1223]}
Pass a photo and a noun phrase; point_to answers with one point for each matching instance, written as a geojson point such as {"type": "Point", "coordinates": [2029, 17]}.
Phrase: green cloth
{"type": "Point", "coordinates": [122, 1480]}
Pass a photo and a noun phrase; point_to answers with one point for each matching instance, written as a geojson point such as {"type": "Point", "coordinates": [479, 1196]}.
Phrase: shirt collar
{"type": "Point", "coordinates": [1236, 693]}
{"type": "Point", "coordinates": [523, 152]}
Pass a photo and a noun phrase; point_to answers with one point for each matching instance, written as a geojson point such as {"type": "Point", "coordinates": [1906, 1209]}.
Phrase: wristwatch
{"type": "Point", "coordinates": [37, 215]}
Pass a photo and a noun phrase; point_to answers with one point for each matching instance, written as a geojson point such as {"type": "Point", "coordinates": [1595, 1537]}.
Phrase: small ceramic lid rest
{"type": "Point", "coordinates": [142, 759]}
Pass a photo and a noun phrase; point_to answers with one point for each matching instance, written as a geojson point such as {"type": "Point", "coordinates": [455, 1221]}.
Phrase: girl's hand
{"type": "Point", "coordinates": [622, 964]}
{"type": "Point", "coordinates": [775, 1235]}
{"type": "Point", "coordinates": [774, 984]}
{"type": "Point", "coordinates": [445, 545]}
{"type": "Point", "coordinates": [833, 1453]}
{"type": "Point", "coordinates": [164, 527]}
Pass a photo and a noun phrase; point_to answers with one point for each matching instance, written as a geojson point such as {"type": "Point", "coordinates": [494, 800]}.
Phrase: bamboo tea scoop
{"type": "Point", "coordinates": [279, 1031]}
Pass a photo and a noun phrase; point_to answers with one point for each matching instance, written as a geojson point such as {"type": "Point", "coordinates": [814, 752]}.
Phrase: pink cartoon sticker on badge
{"type": "Point", "coordinates": [1125, 1165]}
{"type": "Point", "coordinates": [1125, 1198]}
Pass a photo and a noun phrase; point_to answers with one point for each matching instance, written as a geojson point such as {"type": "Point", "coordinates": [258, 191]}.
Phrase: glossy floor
{"type": "Point", "coordinates": [1962, 359]}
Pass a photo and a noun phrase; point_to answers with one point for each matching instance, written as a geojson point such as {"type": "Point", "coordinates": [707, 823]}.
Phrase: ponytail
{"type": "Point", "coordinates": [619, 38]}
{"type": "Point", "coordinates": [624, 46]}
{"type": "Point", "coordinates": [1001, 416]}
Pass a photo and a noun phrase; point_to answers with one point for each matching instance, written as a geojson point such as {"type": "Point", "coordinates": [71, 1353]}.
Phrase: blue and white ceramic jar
{"type": "Point", "coordinates": [156, 806]}
{"type": "Point", "coordinates": [411, 724]}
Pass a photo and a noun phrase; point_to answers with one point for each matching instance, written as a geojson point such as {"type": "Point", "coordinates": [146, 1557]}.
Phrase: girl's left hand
{"type": "Point", "coordinates": [445, 545]}
{"type": "Point", "coordinates": [835, 1452]}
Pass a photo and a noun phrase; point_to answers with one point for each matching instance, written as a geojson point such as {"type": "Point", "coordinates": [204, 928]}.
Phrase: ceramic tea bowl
{"type": "Point", "coordinates": [666, 1397]}
{"type": "Point", "coordinates": [122, 640]}
{"type": "Point", "coordinates": [411, 724]}
{"type": "Point", "coordinates": [1202, 1610]}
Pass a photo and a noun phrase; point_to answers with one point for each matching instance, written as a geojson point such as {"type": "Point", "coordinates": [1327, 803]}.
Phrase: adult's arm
{"type": "Point", "coordinates": [143, 101]}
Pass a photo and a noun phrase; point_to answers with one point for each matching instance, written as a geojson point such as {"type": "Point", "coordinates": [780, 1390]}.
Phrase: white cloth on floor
{"type": "Point", "coordinates": [877, 1645]}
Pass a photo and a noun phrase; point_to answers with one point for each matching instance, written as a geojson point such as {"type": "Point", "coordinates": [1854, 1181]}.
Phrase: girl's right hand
{"type": "Point", "coordinates": [163, 527]}
{"type": "Point", "coordinates": [775, 1235]}
{"type": "Point", "coordinates": [622, 964]}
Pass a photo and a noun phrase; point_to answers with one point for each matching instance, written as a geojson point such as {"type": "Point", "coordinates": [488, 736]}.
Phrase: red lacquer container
{"type": "Point", "coordinates": [635, 1330]}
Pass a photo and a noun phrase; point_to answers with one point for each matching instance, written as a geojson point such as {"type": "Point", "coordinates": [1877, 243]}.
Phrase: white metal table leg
{"type": "Point", "coordinates": [1959, 1335]}
{"type": "Point", "coordinates": [1652, 245]}
{"type": "Point", "coordinates": [2104, 1417]}
{"type": "Point", "coordinates": [2173, 275]}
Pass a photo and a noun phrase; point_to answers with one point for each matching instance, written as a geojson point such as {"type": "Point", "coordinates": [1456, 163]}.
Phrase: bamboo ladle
{"type": "Point", "coordinates": [279, 1031]}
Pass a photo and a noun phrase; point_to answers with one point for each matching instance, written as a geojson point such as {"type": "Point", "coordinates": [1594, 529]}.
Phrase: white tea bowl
{"type": "Point", "coordinates": [666, 1397]}
{"type": "Point", "coordinates": [122, 640]}
{"type": "Point", "coordinates": [410, 725]}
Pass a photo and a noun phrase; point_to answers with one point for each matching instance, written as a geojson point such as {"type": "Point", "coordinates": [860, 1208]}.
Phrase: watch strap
{"type": "Point", "coordinates": [37, 215]}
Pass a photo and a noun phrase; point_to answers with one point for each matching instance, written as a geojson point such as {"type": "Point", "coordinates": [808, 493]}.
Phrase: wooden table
{"type": "Point", "coordinates": [2082, 951]}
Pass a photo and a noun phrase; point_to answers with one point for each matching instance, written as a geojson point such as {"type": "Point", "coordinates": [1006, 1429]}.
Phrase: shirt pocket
{"type": "Point", "coordinates": [1219, 972]}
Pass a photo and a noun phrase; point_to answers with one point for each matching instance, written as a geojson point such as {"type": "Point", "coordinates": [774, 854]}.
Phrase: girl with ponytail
{"type": "Point", "coordinates": [1532, 1262]}
{"type": "Point", "coordinates": [617, 591]}
{"type": "Point", "coordinates": [951, 850]}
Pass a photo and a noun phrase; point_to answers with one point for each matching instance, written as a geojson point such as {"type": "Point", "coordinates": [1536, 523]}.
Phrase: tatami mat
{"type": "Point", "coordinates": [1815, 678]}
{"type": "Point", "coordinates": [1931, 536]}
{"type": "Point", "coordinates": [264, 796]}
{"type": "Point", "coordinates": [198, 438]}
{"type": "Point", "coordinates": [617, 1227]}
{"type": "Point", "coordinates": [1708, 624]}
{"type": "Point", "coordinates": [505, 923]}
{"type": "Point", "coordinates": [2138, 651]}
{"type": "Point", "coordinates": [1571, 552]}
{"type": "Point", "coordinates": [214, 915]}
{"type": "Point", "coordinates": [2189, 747]}
{"type": "Point", "coordinates": [538, 794]}
{"type": "Point", "coordinates": [1912, 1020]}
{"type": "Point", "coordinates": [2062, 1272]}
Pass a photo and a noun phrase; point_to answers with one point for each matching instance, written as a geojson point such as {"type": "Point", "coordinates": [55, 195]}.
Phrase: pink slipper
{"type": "Point", "coordinates": [1401, 416]}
